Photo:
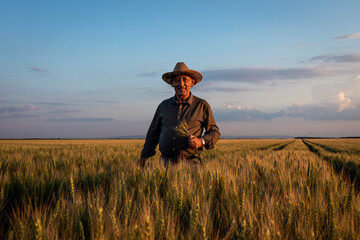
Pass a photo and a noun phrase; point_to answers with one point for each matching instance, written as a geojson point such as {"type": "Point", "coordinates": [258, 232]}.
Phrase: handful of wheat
{"type": "Point", "coordinates": [183, 129]}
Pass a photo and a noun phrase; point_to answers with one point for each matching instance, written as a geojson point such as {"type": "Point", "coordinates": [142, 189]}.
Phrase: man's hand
{"type": "Point", "coordinates": [142, 161]}
{"type": "Point", "coordinates": [195, 142]}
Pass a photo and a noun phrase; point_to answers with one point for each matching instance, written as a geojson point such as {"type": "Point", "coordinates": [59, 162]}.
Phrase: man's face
{"type": "Point", "coordinates": [182, 85]}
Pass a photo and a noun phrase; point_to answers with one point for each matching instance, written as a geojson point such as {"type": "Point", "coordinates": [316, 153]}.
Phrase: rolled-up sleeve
{"type": "Point", "coordinates": [153, 135]}
{"type": "Point", "coordinates": [212, 134]}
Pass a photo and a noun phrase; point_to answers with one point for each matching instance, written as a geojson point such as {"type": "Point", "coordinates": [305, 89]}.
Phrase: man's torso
{"type": "Point", "coordinates": [174, 117]}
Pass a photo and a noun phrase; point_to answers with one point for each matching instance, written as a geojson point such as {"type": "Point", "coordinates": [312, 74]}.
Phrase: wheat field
{"type": "Point", "coordinates": [246, 189]}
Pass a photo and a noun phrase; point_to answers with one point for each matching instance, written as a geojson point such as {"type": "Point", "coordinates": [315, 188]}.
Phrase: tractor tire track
{"type": "Point", "coordinates": [349, 170]}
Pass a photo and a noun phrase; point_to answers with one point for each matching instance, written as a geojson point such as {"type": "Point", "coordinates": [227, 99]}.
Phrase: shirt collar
{"type": "Point", "coordinates": [188, 101]}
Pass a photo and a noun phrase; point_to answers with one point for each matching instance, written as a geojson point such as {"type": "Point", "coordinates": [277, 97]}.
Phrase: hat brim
{"type": "Point", "coordinates": [167, 77]}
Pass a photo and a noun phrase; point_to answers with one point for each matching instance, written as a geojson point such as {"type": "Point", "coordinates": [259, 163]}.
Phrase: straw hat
{"type": "Point", "coordinates": [181, 68]}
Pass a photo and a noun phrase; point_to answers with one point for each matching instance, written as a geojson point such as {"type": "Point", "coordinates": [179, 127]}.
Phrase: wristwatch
{"type": "Point", "coordinates": [203, 141]}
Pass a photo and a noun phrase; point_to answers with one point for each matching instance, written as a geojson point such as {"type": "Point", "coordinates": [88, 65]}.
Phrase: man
{"type": "Point", "coordinates": [179, 122]}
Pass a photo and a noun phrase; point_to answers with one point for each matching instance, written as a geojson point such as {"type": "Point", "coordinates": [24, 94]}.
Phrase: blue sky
{"type": "Point", "coordinates": [93, 69]}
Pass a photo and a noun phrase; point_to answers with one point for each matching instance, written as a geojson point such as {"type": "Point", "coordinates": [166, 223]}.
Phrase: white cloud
{"type": "Point", "coordinates": [41, 71]}
{"type": "Point", "coordinates": [342, 101]}
{"type": "Point", "coordinates": [357, 82]}
{"type": "Point", "coordinates": [355, 35]}
{"type": "Point", "coordinates": [351, 87]}
{"type": "Point", "coordinates": [323, 112]}
{"type": "Point", "coordinates": [239, 107]}
{"type": "Point", "coordinates": [206, 87]}
{"type": "Point", "coordinates": [86, 119]}
{"type": "Point", "coordinates": [299, 104]}
{"type": "Point", "coordinates": [262, 75]}
{"type": "Point", "coordinates": [148, 74]}
{"type": "Point", "coordinates": [37, 69]}
{"type": "Point", "coordinates": [245, 115]}
{"type": "Point", "coordinates": [337, 106]}
{"type": "Point", "coordinates": [24, 108]}
{"type": "Point", "coordinates": [340, 58]}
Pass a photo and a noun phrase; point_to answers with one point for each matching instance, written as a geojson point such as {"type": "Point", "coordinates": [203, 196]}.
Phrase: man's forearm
{"type": "Point", "coordinates": [211, 137]}
{"type": "Point", "coordinates": [150, 144]}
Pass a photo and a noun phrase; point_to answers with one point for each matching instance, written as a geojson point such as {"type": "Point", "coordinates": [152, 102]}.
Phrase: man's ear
{"type": "Point", "coordinates": [193, 82]}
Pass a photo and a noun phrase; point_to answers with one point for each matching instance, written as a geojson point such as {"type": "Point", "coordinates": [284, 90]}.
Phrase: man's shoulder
{"type": "Point", "coordinates": [200, 100]}
{"type": "Point", "coordinates": [196, 98]}
{"type": "Point", "coordinates": [167, 101]}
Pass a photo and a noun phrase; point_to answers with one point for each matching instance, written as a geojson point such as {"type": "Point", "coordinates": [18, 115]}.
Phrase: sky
{"type": "Point", "coordinates": [92, 69]}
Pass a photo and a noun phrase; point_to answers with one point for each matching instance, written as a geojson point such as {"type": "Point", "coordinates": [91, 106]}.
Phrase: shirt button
{"type": "Point", "coordinates": [173, 149]}
{"type": "Point", "coordinates": [174, 138]}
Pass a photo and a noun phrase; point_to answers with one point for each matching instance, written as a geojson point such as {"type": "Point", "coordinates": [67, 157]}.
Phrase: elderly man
{"type": "Point", "coordinates": [179, 122]}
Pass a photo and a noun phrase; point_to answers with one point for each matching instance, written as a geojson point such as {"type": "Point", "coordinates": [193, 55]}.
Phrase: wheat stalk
{"type": "Point", "coordinates": [21, 230]}
{"type": "Point", "coordinates": [38, 228]}
{"type": "Point", "coordinates": [81, 231]}
{"type": "Point", "coordinates": [183, 129]}
{"type": "Point", "coordinates": [114, 225]}
{"type": "Point", "coordinates": [147, 230]}
{"type": "Point", "coordinates": [55, 213]}
{"type": "Point", "coordinates": [99, 227]}
{"type": "Point", "coordinates": [72, 190]}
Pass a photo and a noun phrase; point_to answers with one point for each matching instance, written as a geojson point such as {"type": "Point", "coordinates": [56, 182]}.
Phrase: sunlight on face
{"type": "Point", "coordinates": [182, 85]}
